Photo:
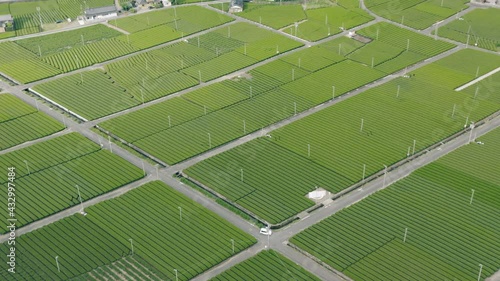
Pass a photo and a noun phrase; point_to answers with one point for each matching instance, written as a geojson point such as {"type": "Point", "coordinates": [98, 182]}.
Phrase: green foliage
{"type": "Point", "coordinates": [448, 234]}
{"type": "Point", "coordinates": [272, 14]}
{"type": "Point", "coordinates": [324, 22]}
{"type": "Point", "coordinates": [20, 122]}
{"type": "Point", "coordinates": [418, 14]}
{"type": "Point", "coordinates": [266, 263]}
{"type": "Point", "coordinates": [55, 167]}
{"type": "Point", "coordinates": [264, 95]}
{"type": "Point", "coordinates": [62, 41]}
{"type": "Point", "coordinates": [288, 178]}
{"type": "Point", "coordinates": [475, 28]}
{"type": "Point", "coordinates": [198, 242]}
{"type": "Point", "coordinates": [91, 94]}
{"type": "Point", "coordinates": [423, 111]}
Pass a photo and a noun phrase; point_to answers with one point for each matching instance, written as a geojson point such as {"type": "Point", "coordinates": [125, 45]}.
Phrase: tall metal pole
{"type": "Point", "coordinates": [471, 197]}
{"type": "Point", "coordinates": [397, 94]}
{"type": "Point", "coordinates": [414, 144]}
{"type": "Point", "coordinates": [364, 171]}
{"type": "Point", "coordinates": [241, 174]}
{"type": "Point", "coordinates": [143, 168]}
{"type": "Point", "coordinates": [308, 150]}
{"type": "Point", "coordinates": [294, 108]}
{"type": "Point", "coordinates": [406, 231]}
{"type": "Point", "coordinates": [79, 196]}
{"type": "Point", "coordinates": [131, 245]}
{"type": "Point", "coordinates": [199, 75]}
{"type": "Point", "coordinates": [244, 127]}
{"type": "Point", "coordinates": [109, 142]}
{"type": "Point", "coordinates": [333, 92]}
{"type": "Point", "coordinates": [293, 74]}
{"type": "Point", "coordinates": [176, 277]}
{"type": "Point", "coordinates": [480, 269]}
{"type": "Point", "coordinates": [477, 72]}
{"type": "Point", "coordinates": [232, 242]}
{"type": "Point", "coordinates": [39, 17]}
{"type": "Point", "coordinates": [373, 60]}
{"type": "Point", "coordinates": [37, 107]}
{"type": "Point", "coordinates": [57, 262]}
{"type": "Point", "coordinates": [250, 91]}
{"type": "Point", "coordinates": [362, 123]}
{"type": "Point", "coordinates": [408, 45]}
{"type": "Point", "coordinates": [453, 112]}
{"type": "Point", "coordinates": [385, 174]}
{"type": "Point", "coordinates": [476, 92]}
{"type": "Point", "coordinates": [180, 213]}
{"type": "Point", "coordinates": [27, 168]}
{"type": "Point", "coordinates": [471, 129]}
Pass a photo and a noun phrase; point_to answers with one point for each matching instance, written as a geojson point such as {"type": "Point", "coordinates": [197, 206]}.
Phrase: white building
{"type": "Point", "coordinates": [236, 6]}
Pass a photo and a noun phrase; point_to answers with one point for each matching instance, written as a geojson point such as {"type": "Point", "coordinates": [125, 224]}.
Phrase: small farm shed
{"type": "Point", "coordinates": [236, 6]}
{"type": "Point", "coordinates": [4, 21]}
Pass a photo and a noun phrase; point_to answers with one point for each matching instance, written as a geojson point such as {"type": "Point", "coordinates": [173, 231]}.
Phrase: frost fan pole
{"type": "Point", "coordinates": [57, 263]}
{"type": "Point", "coordinates": [406, 232]}
{"type": "Point", "coordinates": [471, 197]}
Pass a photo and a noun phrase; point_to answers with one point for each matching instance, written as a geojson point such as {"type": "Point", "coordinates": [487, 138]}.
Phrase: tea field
{"type": "Point", "coordinates": [447, 210]}
{"type": "Point", "coordinates": [48, 55]}
{"type": "Point", "coordinates": [276, 90]}
{"type": "Point", "coordinates": [269, 263]}
{"type": "Point", "coordinates": [47, 174]}
{"type": "Point", "coordinates": [418, 14]}
{"type": "Point", "coordinates": [196, 243]}
{"type": "Point", "coordinates": [157, 73]}
{"type": "Point", "coordinates": [419, 110]}
{"type": "Point", "coordinates": [474, 28]}
{"type": "Point", "coordinates": [19, 122]}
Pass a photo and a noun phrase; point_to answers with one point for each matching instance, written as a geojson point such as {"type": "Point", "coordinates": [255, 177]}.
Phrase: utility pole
{"type": "Point", "coordinates": [180, 213]}
{"type": "Point", "coordinates": [79, 197]}
{"type": "Point", "coordinates": [57, 263]}
{"type": "Point", "coordinates": [39, 17]}
{"type": "Point", "coordinates": [131, 245]}
{"type": "Point", "coordinates": [27, 168]}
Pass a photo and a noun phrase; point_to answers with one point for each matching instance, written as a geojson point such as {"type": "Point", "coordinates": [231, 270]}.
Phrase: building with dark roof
{"type": "Point", "coordinates": [101, 12]}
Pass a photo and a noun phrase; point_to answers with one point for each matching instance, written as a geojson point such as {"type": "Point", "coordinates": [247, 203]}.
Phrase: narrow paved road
{"type": "Point", "coordinates": [280, 238]}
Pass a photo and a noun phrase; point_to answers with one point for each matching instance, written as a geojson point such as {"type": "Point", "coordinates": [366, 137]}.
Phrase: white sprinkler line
{"type": "Point", "coordinates": [478, 79]}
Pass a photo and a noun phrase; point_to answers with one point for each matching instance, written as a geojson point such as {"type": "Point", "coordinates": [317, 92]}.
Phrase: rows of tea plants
{"type": "Point", "coordinates": [353, 139]}
{"type": "Point", "coordinates": [157, 73]}
{"type": "Point", "coordinates": [62, 41]}
{"type": "Point", "coordinates": [266, 178]}
{"type": "Point", "coordinates": [273, 15]}
{"type": "Point", "coordinates": [20, 122]}
{"type": "Point", "coordinates": [324, 22]}
{"type": "Point", "coordinates": [445, 209]}
{"type": "Point", "coordinates": [405, 39]}
{"type": "Point", "coordinates": [22, 65]}
{"type": "Point", "coordinates": [474, 29]}
{"type": "Point", "coordinates": [130, 267]}
{"type": "Point", "coordinates": [417, 14]}
{"type": "Point", "coordinates": [49, 183]}
{"type": "Point", "coordinates": [91, 94]}
{"type": "Point", "coordinates": [195, 242]}
{"type": "Point", "coordinates": [274, 90]}
{"type": "Point", "coordinates": [270, 264]}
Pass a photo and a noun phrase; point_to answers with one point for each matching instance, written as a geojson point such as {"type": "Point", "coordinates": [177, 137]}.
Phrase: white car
{"type": "Point", "coordinates": [266, 231]}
